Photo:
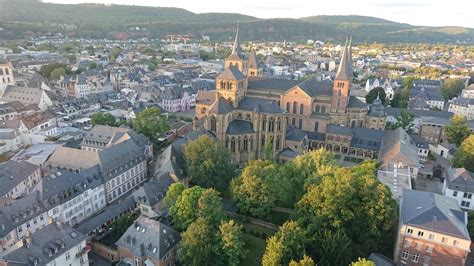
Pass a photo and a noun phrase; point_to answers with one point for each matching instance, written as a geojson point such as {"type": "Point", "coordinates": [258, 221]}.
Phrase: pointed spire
{"type": "Point", "coordinates": [344, 69]}
{"type": "Point", "coordinates": [236, 48]}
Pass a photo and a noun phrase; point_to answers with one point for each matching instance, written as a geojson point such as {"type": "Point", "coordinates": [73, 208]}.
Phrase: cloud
{"type": "Point", "coordinates": [399, 5]}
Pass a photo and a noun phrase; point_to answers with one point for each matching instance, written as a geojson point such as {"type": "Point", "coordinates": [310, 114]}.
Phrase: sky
{"type": "Point", "coordinates": [415, 12]}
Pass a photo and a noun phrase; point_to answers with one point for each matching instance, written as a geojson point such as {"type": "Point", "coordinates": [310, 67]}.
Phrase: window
{"type": "Point", "coordinates": [467, 195]}
{"type": "Point", "coordinates": [213, 124]}
{"type": "Point", "coordinates": [431, 236]}
{"type": "Point", "coordinates": [300, 124]}
{"type": "Point", "coordinates": [68, 255]}
{"type": "Point", "coordinates": [316, 126]}
{"type": "Point", "coordinates": [20, 229]}
{"type": "Point", "coordinates": [429, 249]}
{"type": "Point", "coordinates": [421, 233]}
{"type": "Point", "coordinates": [410, 231]}
{"type": "Point", "coordinates": [455, 243]}
{"type": "Point", "coordinates": [465, 204]}
{"type": "Point", "coordinates": [405, 255]}
{"type": "Point", "coordinates": [444, 240]}
{"type": "Point", "coordinates": [288, 107]}
{"type": "Point", "coordinates": [415, 257]}
{"type": "Point", "coordinates": [294, 107]}
{"type": "Point", "coordinates": [455, 193]}
{"type": "Point", "coordinates": [301, 109]}
{"type": "Point", "coordinates": [417, 245]}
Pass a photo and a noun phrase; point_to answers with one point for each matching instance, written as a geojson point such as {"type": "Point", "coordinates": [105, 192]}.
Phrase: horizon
{"type": "Point", "coordinates": [438, 14]}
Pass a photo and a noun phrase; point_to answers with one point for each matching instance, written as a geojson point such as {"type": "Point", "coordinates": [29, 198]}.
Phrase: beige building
{"type": "Point", "coordinates": [432, 230]}
{"type": "Point", "coordinates": [248, 112]}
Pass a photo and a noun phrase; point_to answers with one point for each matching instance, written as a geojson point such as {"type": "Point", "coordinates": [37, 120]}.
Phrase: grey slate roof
{"type": "Point", "coordinates": [231, 73]}
{"type": "Point", "coordinates": [287, 152]}
{"type": "Point", "coordinates": [46, 240]}
{"type": "Point", "coordinates": [150, 238]}
{"type": "Point", "coordinates": [367, 138]}
{"type": "Point", "coordinates": [221, 106]}
{"type": "Point", "coordinates": [252, 61]}
{"type": "Point", "coordinates": [355, 103]}
{"type": "Point", "coordinates": [273, 84]}
{"type": "Point", "coordinates": [107, 214]}
{"type": "Point", "coordinates": [336, 129]}
{"type": "Point", "coordinates": [239, 126]}
{"type": "Point", "coordinates": [433, 212]}
{"type": "Point", "coordinates": [153, 191]}
{"type": "Point", "coordinates": [314, 87]}
{"type": "Point", "coordinates": [19, 211]}
{"type": "Point", "coordinates": [13, 173]}
{"type": "Point", "coordinates": [344, 71]}
{"type": "Point", "coordinates": [65, 185]}
{"type": "Point", "coordinates": [259, 105]}
{"type": "Point", "coordinates": [460, 179]}
{"type": "Point", "coordinates": [419, 141]}
{"type": "Point", "coordinates": [295, 134]}
{"type": "Point", "coordinates": [125, 154]}
{"type": "Point", "coordinates": [396, 147]}
{"type": "Point", "coordinates": [394, 111]}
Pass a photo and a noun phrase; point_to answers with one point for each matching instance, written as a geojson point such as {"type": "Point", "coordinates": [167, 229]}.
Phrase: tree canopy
{"type": "Point", "coordinates": [151, 123]}
{"type": "Point", "coordinates": [208, 163]}
{"type": "Point", "coordinates": [286, 245]}
{"type": "Point", "coordinates": [373, 94]}
{"type": "Point", "coordinates": [452, 88]}
{"type": "Point", "coordinates": [458, 130]}
{"type": "Point", "coordinates": [105, 119]}
{"type": "Point", "coordinates": [404, 120]}
{"type": "Point", "coordinates": [464, 156]}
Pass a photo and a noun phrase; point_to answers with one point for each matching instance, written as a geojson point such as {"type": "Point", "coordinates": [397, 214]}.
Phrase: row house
{"type": "Point", "coordinates": [72, 197]}
{"type": "Point", "coordinates": [54, 244]}
{"type": "Point", "coordinates": [18, 178]}
{"type": "Point", "coordinates": [19, 218]}
{"type": "Point", "coordinates": [462, 106]}
{"type": "Point", "coordinates": [426, 97]}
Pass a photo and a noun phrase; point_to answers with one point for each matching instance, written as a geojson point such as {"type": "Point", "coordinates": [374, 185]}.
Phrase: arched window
{"type": "Point", "coordinates": [229, 85]}
{"type": "Point", "coordinates": [323, 109]}
{"type": "Point", "coordinates": [238, 144]}
{"type": "Point", "coordinates": [232, 145]}
{"type": "Point", "coordinates": [251, 143]}
{"type": "Point", "coordinates": [246, 144]}
{"type": "Point", "coordinates": [288, 107]}
{"type": "Point", "coordinates": [294, 107]}
{"type": "Point", "coordinates": [300, 124]}
{"type": "Point", "coordinates": [277, 144]}
{"type": "Point", "coordinates": [301, 109]}
{"type": "Point", "coordinates": [293, 121]}
{"type": "Point", "coordinates": [317, 109]}
{"type": "Point", "coordinates": [271, 125]}
{"type": "Point", "coordinates": [353, 123]}
{"type": "Point", "coordinates": [213, 124]}
{"type": "Point", "coordinates": [316, 126]}
{"type": "Point", "coordinates": [278, 125]}
{"type": "Point", "coordinates": [263, 140]}
{"type": "Point", "coordinates": [264, 123]}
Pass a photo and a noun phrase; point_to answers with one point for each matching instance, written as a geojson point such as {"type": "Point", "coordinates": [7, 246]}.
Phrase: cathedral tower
{"type": "Point", "coordinates": [342, 82]}
{"type": "Point", "coordinates": [236, 58]}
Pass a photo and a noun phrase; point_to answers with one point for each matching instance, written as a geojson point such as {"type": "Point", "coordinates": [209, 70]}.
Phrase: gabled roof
{"type": "Point", "coordinates": [355, 103]}
{"type": "Point", "coordinates": [13, 173]}
{"type": "Point", "coordinates": [239, 126]}
{"type": "Point", "coordinates": [460, 179]}
{"type": "Point", "coordinates": [149, 238]}
{"type": "Point", "coordinates": [433, 212]}
{"type": "Point", "coordinates": [314, 87]}
{"type": "Point", "coordinates": [259, 105]}
{"type": "Point", "coordinates": [273, 84]}
{"type": "Point", "coordinates": [231, 73]}
{"type": "Point", "coordinates": [253, 61]}
{"type": "Point", "coordinates": [221, 106]}
{"type": "Point", "coordinates": [396, 146]}
{"type": "Point", "coordinates": [73, 158]}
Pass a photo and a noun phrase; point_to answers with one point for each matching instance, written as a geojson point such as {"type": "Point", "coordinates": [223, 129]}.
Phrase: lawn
{"type": "Point", "coordinates": [255, 248]}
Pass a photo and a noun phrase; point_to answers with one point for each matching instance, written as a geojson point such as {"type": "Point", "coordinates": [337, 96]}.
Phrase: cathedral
{"type": "Point", "coordinates": [248, 112]}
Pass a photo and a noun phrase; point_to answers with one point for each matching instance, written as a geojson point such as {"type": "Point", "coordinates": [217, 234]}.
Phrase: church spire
{"type": "Point", "coordinates": [344, 71]}
{"type": "Point", "coordinates": [236, 48]}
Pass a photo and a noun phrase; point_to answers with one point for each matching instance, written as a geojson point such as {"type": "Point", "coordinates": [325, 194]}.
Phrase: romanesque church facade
{"type": "Point", "coordinates": [248, 112]}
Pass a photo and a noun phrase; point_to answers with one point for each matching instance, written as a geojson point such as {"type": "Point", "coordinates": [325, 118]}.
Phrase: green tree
{"type": "Point", "coordinates": [400, 99]}
{"type": "Point", "coordinates": [92, 66]}
{"type": "Point", "coordinates": [352, 202]}
{"type": "Point", "coordinates": [185, 210]}
{"type": "Point", "coordinates": [267, 150]}
{"type": "Point", "coordinates": [332, 247]}
{"type": "Point", "coordinates": [105, 119]}
{"type": "Point", "coordinates": [373, 94]}
{"type": "Point", "coordinates": [90, 50]}
{"type": "Point", "coordinates": [173, 193]}
{"type": "Point", "coordinates": [232, 245]}
{"type": "Point", "coordinates": [405, 121]}
{"type": "Point", "coordinates": [458, 130]}
{"type": "Point", "coordinates": [252, 191]}
{"type": "Point", "coordinates": [362, 262]}
{"type": "Point", "coordinates": [151, 123]}
{"type": "Point", "coordinates": [464, 156]}
{"type": "Point", "coordinates": [197, 244]}
{"type": "Point", "coordinates": [57, 73]}
{"type": "Point", "coordinates": [114, 53]}
{"type": "Point", "coordinates": [286, 245]}
{"type": "Point", "coordinates": [452, 88]}
{"type": "Point", "coordinates": [208, 163]}
{"type": "Point", "coordinates": [210, 206]}
{"type": "Point", "coordinates": [305, 261]}
{"type": "Point", "coordinates": [407, 82]}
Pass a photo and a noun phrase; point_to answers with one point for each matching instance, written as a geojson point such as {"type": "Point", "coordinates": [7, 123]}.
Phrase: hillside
{"type": "Point", "coordinates": [28, 18]}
